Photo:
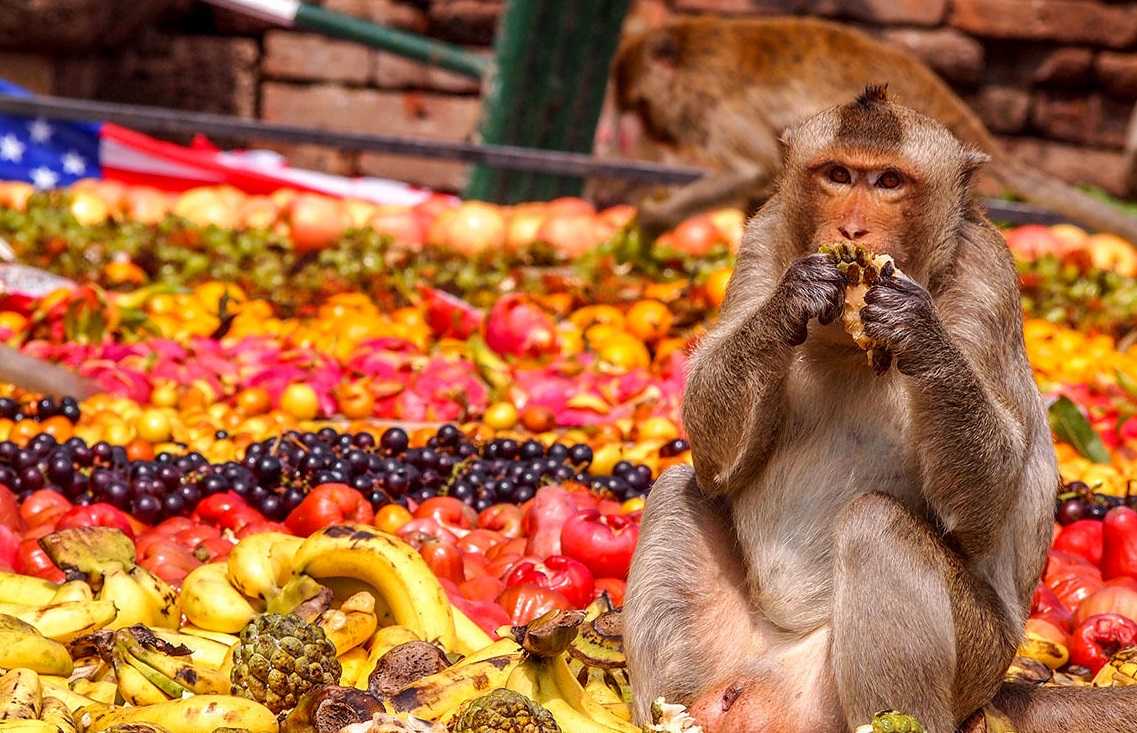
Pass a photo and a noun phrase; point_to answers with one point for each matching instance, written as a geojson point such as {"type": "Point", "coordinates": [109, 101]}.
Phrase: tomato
{"type": "Point", "coordinates": [564, 574]}
{"type": "Point", "coordinates": [526, 602]}
{"type": "Point", "coordinates": [481, 588]}
{"type": "Point", "coordinates": [479, 541]}
{"type": "Point", "coordinates": [502, 518]}
{"type": "Point", "coordinates": [1119, 543]}
{"type": "Point", "coordinates": [213, 509]}
{"type": "Point", "coordinates": [447, 511]}
{"type": "Point", "coordinates": [1099, 637]}
{"type": "Point", "coordinates": [32, 560]}
{"type": "Point", "coordinates": [512, 547]}
{"type": "Point", "coordinates": [445, 560]}
{"type": "Point", "coordinates": [43, 506]}
{"type": "Point", "coordinates": [9, 547]}
{"type": "Point", "coordinates": [99, 514]}
{"type": "Point", "coordinates": [545, 518]}
{"type": "Point", "coordinates": [1083, 538]}
{"type": "Point", "coordinates": [329, 504]}
{"type": "Point", "coordinates": [1071, 577]}
{"type": "Point", "coordinates": [1046, 605]}
{"type": "Point", "coordinates": [1110, 599]}
{"type": "Point", "coordinates": [604, 543]}
{"type": "Point", "coordinates": [174, 525]}
{"type": "Point", "coordinates": [168, 553]}
{"type": "Point", "coordinates": [418, 531]}
{"type": "Point", "coordinates": [614, 587]}
{"type": "Point", "coordinates": [10, 510]}
{"type": "Point", "coordinates": [392, 517]}
{"type": "Point", "coordinates": [1122, 582]}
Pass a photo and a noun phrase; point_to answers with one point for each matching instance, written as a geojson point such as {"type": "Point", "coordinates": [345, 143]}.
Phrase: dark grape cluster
{"type": "Point", "coordinates": [275, 475]}
{"type": "Point", "coordinates": [41, 409]}
{"type": "Point", "coordinates": [1076, 501]}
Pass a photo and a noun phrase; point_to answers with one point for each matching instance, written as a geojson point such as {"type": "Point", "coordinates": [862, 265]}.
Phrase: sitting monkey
{"type": "Point", "coordinates": [720, 92]}
{"type": "Point", "coordinates": [848, 543]}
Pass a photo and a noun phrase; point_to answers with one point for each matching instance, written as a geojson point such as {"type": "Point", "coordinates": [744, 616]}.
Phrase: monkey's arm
{"type": "Point", "coordinates": [970, 438]}
{"type": "Point", "coordinates": [734, 397]}
{"type": "Point", "coordinates": [36, 375]}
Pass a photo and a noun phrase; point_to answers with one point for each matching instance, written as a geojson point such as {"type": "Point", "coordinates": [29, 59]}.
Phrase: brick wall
{"type": "Point", "coordinates": [1056, 79]}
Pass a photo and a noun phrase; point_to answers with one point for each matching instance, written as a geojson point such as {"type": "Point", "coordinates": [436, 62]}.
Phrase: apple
{"type": "Point", "coordinates": [1033, 240]}
{"type": "Point", "coordinates": [570, 205]}
{"type": "Point", "coordinates": [570, 235]}
{"type": "Point", "coordinates": [697, 236]}
{"type": "Point", "coordinates": [316, 222]}
{"type": "Point", "coordinates": [525, 222]}
{"type": "Point", "coordinates": [1111, 252]}
{"type": "Point", "coordinates": [618, 216]}
{"type": "Point", "coordinates": [1110, 599]}
{"type": "Point", "coordinates": [206, 206]}
{"type": "Point", "coordinates": [146, 205]}
{"type": "Point", "coordinates": [258, 212]}
{"type": "Point", "coordinates": [475, 227]}
{"type": "Point", "coordinates": [404, 227]}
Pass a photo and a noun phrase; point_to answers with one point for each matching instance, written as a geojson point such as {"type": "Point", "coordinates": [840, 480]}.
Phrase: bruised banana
{"type": "Point", "coordinates": [260, 565]}
{"type": "Point", "coordinates": [1041, 649]}
{"type": "Point", "coordinates": [27, 726]}
{"type": "Point", "coordinates": [600, 689]}
{"type": "Point", "coordinates": [435, 695]}
{"type": "Point", "coordinates": [219, 636]}
{"type": "Point", "coordinates": [163, 598]}
{"type": "Point", "coordinates": [135, 687]}
{"type": "Point", "coordinates": [57, 714]}
{"type": "Point", "coordinates": [351, 624]}
{"type": "Point", "coordinates": [21, 695]}
{"type": "Point", "coordinates": [206, 651]}
{"type": "Point", "coordinates": [533, 680]}
{"type": "Point", "coordinates": [211, 602]}
{"type": "Point", "coordinates": [861, 269]}
{"type": "Point", "coordinates": [61, 692]}
{"type": "Point", "coordinates": [133, 604]}
{"type": "Point", "coordinates": [22, 645]}
{"type": "Point", "coordinates": [192, 715]}
{"type": "Point", "coordinates": [384, 640]}
{"type": "Point", "coordinates": [554, 674]}
{"type": "Point", "coordinates": [103, 691]}
{"type": "Point", "coordinates": [64, 622]}
{"type": "Point", "coordinates": [73, 590]}
{"type": "Point", "coordinates": [25, 589]}
{"type": "Point", "coordinates": [398, 573]}
{"type": "Point", "coordinates": [145, 652]}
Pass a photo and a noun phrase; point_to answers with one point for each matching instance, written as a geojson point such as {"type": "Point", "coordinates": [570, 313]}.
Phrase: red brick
{"type": "Point", "coordinates": [1072, 164]}
{"type": "Point", "coordinates": [1078, 118]}
{"type": "Point", "coordinates": [953, 55]}
{"type": "Point", "coordinates": [741, 7]}
{"type": "Point", "coordinates": [1064, 67]}
{"type": "Point", "coordinates": [465, 21]}
{"type": "Point", "coordinates": [1070, 21]}
{"type": "Point", "coordinates": [440, 175]}
{"type": "Point", "coordinates": [1002, 109]}
{"type": "Point", "coordinates": [311, 57]}
{"type": "Point", "coordinates": [73, 26]}
{"type": "Point", "coordinates": [385, 12]}
{"type": "Point", "coordinates": [884, 12]}
{"type": "Point", "coordinates": [391, 71]}
{"type": "Point", "coordinates": [1117, 73]}
{"type": "Point", "coordinates": [368, 111]}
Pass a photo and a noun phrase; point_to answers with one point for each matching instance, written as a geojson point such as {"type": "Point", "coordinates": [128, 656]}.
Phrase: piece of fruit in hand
{"type": "Point", "coordinates": [861, 269]}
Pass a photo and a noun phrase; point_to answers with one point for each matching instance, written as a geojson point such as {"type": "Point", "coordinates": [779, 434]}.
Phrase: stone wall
{"type": "Point", "coordinates": [1056, 79]}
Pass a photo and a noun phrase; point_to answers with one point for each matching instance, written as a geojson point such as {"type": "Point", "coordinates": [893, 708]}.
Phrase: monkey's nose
{"type": "Point", "coordinates": [852, 231]}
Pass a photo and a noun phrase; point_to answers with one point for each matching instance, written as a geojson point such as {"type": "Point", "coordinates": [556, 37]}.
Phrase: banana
{"type": "Point", "coordinates": [433, 696]}
{"type": "Point", "coordinates": [64, 694]}
{"type": "Point", "coordinates": [219, 636]}
{"type": "Point", "coordinates": [261, 564]}
{"type": "Point", "coordinates": [384, 640]}
{"type": "Point", "coordinates": [25, 589]}
{"type": "Point", "coordinates": [211, 602]}
{"type": "Point", "coordinates": [499, 648]}
{"type": "Point", "coordinates": [133, 685]}
{"type": "Point", "coordinates": [64, 622]}
{"type": "Point", "coordinates": [402, 578]}
{"type": "Point", "coordinates": [600, 691]}
{"type": "Point", "coordinates": [73, 590]}
{"type": "Point", "coordinates": [144, 651]}
{"type": "Point", "coordinates": [103, 691]}
{"type": "Point", "coordinates": [523, 680]}
{"type": "Point", "coordinates": [1043, 650]}
{"type": "Point", "coordinates": [163, 598]}
{"type": "Point", "coordinates": [22, 645]}
{"type": "Point", "coordinates": [56, 713]}
{"type": "Point", "coordinates": [354, 666]}
{"type": "Point", "coordinates": [21, 695]}
{"type": "Point", "coordinates": [557, 681]}
{"type": "Point", "coordinates": [351, 624]}
{"type": "Point", "coordinates": [206, 651]}
{"type": "Point", "coordinates": [134, 605]}
{"type": "Point", "coordinates": [468, 636]}
{"type": "Point", "coordinates": [192, 715]}
{"type": "Point", "coordinates": [27, 726]}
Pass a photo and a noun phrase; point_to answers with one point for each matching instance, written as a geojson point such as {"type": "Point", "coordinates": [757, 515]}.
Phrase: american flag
{"type": "Point", "coordinates": [53, 153]}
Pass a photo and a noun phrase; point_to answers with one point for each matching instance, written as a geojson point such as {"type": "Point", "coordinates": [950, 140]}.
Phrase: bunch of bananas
{"type": "Point", "coordinates": [26, 708]}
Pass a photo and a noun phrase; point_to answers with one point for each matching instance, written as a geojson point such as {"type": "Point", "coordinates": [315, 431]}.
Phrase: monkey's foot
{"type": "Point", "coordinates": [891, 721]}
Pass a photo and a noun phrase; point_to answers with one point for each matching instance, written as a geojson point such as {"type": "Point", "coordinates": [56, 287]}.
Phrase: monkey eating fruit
{"type": "Point", "coordinates": [861, 269]}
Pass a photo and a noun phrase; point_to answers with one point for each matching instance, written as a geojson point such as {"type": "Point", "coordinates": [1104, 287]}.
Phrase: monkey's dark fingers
{"type": "Point", "coordinates": [834, 309]}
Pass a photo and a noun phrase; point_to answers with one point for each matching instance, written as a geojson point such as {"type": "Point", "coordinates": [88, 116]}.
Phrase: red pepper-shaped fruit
{"type": "Point", "coordinates": [1119, 543]}
{"type": "Point", "coordinates": [604, 543]}
{"type": "Point", "coordinates": [1084, 538]}
{"type": "Point", "coordinates": [1096, 640]}
{"type": "Point", "coordinates": [526, 602]}
{"type": "Point", "coordinates": [564, 574]}
{"type": "Point", "coordinates": [445, 560]}
{"type": "Point", "coordinates": [99, 514]}
{"type": "Point", "coordinates": [326, 505]}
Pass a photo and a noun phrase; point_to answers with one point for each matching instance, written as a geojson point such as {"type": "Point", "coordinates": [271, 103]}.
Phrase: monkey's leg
{"type": "Point", "coordinates": [912, 629]}
{"type": "Point", "coordinates": [686, 615]}
{"type": "Point", "coordinates": [713, 190]}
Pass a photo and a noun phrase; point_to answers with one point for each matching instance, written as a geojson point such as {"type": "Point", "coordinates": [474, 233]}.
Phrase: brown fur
{"type": "Point", "coordinates": [36, 375]}
{"type": "Point", "coordinates": [848, 543]}
{"type": "Point", "coordinates": [721, 92]}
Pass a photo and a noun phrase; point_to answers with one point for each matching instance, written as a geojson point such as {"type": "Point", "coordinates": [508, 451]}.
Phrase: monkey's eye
{"type": "Point", "coordinates": [890, 179]}
{"type": "Point", "coordinates": [840, 174]}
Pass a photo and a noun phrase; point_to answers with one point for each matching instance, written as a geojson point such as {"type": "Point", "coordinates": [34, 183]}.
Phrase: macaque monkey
{"type": "Point", "coordinates": [847, 543]}
{"type": "Point", "coordinates": [36, 375]}
{"type": "Point", "coordinates": [720, 92]}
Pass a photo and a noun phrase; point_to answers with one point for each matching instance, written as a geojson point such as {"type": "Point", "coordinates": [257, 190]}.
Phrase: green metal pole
{"type": "Point", "coordinates": [413, 46]}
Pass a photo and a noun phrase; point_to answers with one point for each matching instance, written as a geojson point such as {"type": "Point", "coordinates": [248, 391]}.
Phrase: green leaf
{"type": "Point", "coordinates": [1127, 383]}
{"type": "Point", "coordinates": [1071, 426]}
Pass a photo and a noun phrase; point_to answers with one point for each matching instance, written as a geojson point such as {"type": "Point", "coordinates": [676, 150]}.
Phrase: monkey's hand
{"type": "Point", "coordinates": [900, 316]}
{"type": "Point", "coordinates": [812, 287]}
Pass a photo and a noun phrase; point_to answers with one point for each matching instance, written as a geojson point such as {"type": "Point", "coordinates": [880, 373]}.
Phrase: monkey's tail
{"type": "Point", "coordinates": [1068, 709]}
{"type": "Point", "coordinates": [1062, 198]}
{"type": "Point", "coordinates": [36, 375]}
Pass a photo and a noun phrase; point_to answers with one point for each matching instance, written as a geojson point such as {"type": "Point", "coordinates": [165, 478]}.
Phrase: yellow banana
{"type": "Point", "coordinates": [22, 645]}
{"type": "Point", "coordinates": [56, 713]}
{"type": "Point", "coordinates": [163, 598]}
{"type": "Point", "coordinates": [1043, 650]}
{"type": "Point", "coordinates": [191, 715]}
{"type": "Point", "coordinates": [499, 648]}
{"type": "Point", "coordinates": [523, 680]}
{"type": "Point", "coordinates": [351, 624]}
{"type": "Point", "coordinates": [555, 675]}
{"type": "Point", "coordinates": [73, 590]}
{"type": "Point", "coordinates": [599, 690]}
{"type": "Point", "coordinates": [25, 589]}
{"type": "Point", "coordinates": [27, 726]}
{"type": "Point", "coordinates": [197, 678]}
{"type": "Point", "coordinates": [261, 564]}
{"type": "Point", "coordinates": [103, 691]}
{"type": "Point", "coordinates": [134, 688]}
{"type": "Point", "coordinates": [211, 602]}
{"type": "Point", "coordinates": [64, 694]}
{"type": "Point", "coordinates": [384, 640]}
{"type": "Point", "coordinates": [354, 666]}
{"type": "Point", "coordinates": [433, 696]}
{"type": "Point", "coordinates": [21, 695]}
{"type": "Point", "coordinates": [64, 622]}
{"type": "Point", "coordinates": [205, 651]}
{"type": "Point", "coordinates": [398, 573]}
{"type": "Point", "coordinates": [468, 636]}
{"type": "Point", "coordinates": [134, 604]}
{"type": "Point", "coordinates": [219, 636]}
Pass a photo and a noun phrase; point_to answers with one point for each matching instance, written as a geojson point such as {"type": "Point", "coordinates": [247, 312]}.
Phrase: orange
{"type": "Point", "coordinates": [649, 320]}
{"type": "Point", "coordinates": [584, 317]}
{"type": "Point", "coordinates": [392, 517]}
{"type": "Point", "coordinates": [209, 294]}
{"type": "Point", "coordinates": [300, 401]}
{"type": "Point", "coordinates": [501, 416]}
{"type": "Point", "coordinates": [631, 506]}
{"type": "Point", "coordinates": [657, 428]}
{"type": "Point", "coordinates": [153, 426]}
{"type": "Point", "coordinates": [139, 450]}
{"type": "Point", "coordinates": [624, 353]}
{"type": "Point", "coordinates": [716, 286]}
{"type": "Point", "coordinates": [538, 419]}
{"type": "Point", "coordinates": [23, 431]}
{"type": "Point", "coordinates": [58, 427]}
{"type": "Point", "coordinates": [124, 272]}
{"type": "Point", "coordinates": [253, 401]}
{"type": "Point", "coordinates": [13, 321]}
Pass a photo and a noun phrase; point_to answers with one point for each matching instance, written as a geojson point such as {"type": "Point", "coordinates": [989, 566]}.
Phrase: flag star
{"type": "Point", "coordinates": [39, 130]}
{"type": "Point", "coordinates": [44, 177]}
{"type": "Point", "coordinates": [11, 148]}
{"type": "Point", "coordinates": [74, 164]}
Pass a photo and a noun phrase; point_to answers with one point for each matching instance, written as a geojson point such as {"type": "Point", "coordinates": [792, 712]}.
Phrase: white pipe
{"type": "Point", "coordinates": [282, 12]}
